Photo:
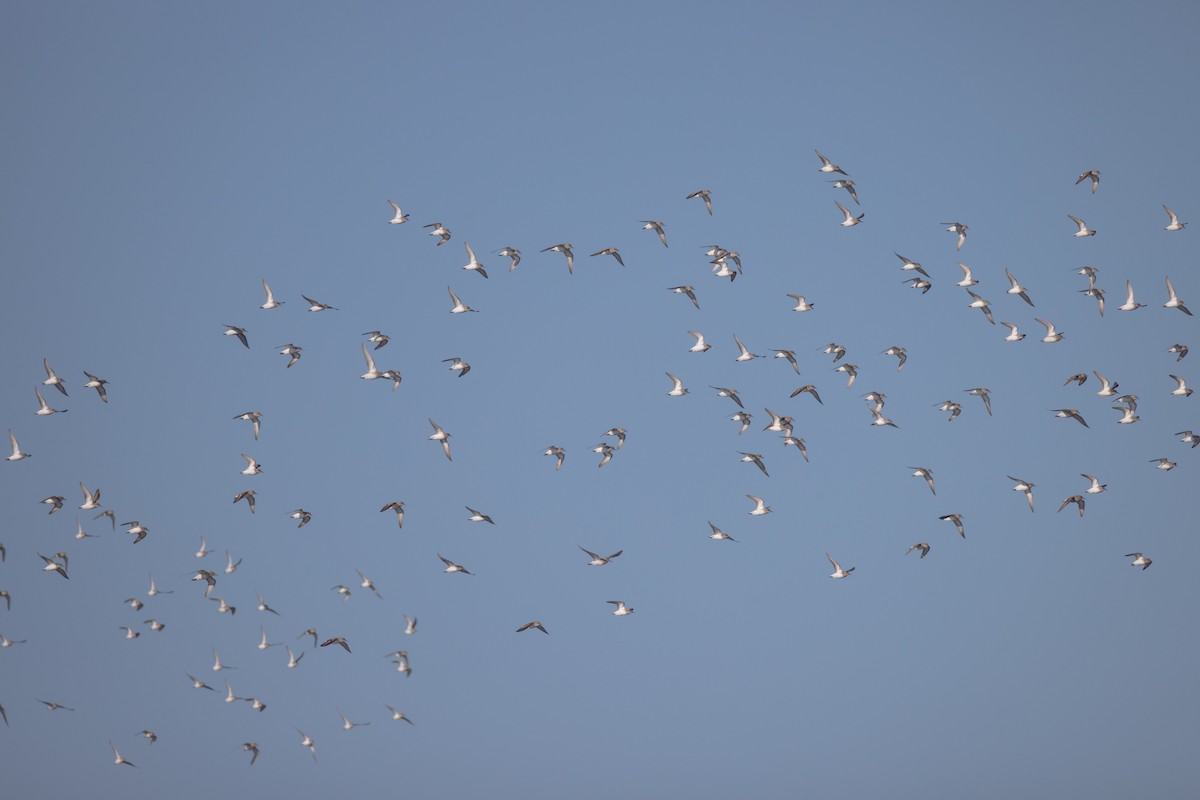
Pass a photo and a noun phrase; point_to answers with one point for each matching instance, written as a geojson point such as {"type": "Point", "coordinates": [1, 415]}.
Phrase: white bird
{"type": "Point", "coordinates": [1094, 174]}
{"type": "Point", "coordinates": [657, 227]}
{"type": "Point", "coordinates": [778, 424]}
{"type": "Point", "coordinates": [960, 229]}
{"type": "Point", "coordinates": [827, 165]}
{"type": "Point", "coordinates": [1096, 487]}
{"type": "Point", "coordinates": [476, 516]}
{"type": "Point", "coordinates": [154, 591]}
{"type": "Point", "coordinates": [410, 625]}
{"type": "Point", "coordinates": [1016, 288]}
{"type": "Point", "coordinates": [17, 454]}
{"type": "Point", "coordinates": [306, 741]}
{"type": "Point", "coordinates": [137, 530]}
{"type": "Point", "coordinates": [52, 379]}
{"type": "Point", "coordinates": [622, 609]}
{"type": "Point", "coordinates": [1182, 389]}
{"type": "Point", "coordinates": [203, 551]}
{"type": "Point", "coordinates": [879, 420]}
{"type": "Point", "coordinates": [910, 265]}
{"type": "Point", "coordinates": [1130, 304]}
{"type": "Point", "coordinates": [700, 346]}
{"type": "Point", "coordinates": [719, 534]}
{"type": "Point", "coordinates": [838, 572]}
{"type": "Point", "coordinates": [565, 249]}
{"type": "Point", "coordinates": [98, 384]}
{"type": "Point", "coordinates": [199, 684]}
{"type": "Point", "coordinates": [262, 605]}
{"type": "Point", "coordinates": [442, 436]}
{"type": "Point", "coordinates": [1174, 301]}
{"type": "Point", "coordinates": [744, 419]}
{"type": "Point", "coordinates": [271, 301]}
{"type": "Point", "coordinates": [1106, 389]}
{"type": "Point", "coordinates": [458, 307]}
{"type": "Point", "coordinates": [397, 715]}
{"type": "Point", "coordinates": [119, 759]}
{"type": "Point", "coordinates": [439, 230]}
{"type": "Point", "coordinates": [252, 466]}
{"type": "Point", "coordinates": [304, 516]}
{"type": "Point", "coordinates": [399, 219]}
{"type": "Point", "coordinates": [348, 725]}
{"type": "Point", "coordinates": [968, 278]}
{"type": "Point", "coordinates": [452, 567]}
{"type": "Point", "coordinates": [1023, 486]}
{"type": "Point", "coordinates": [44, 408]}
{"type": "Point", "coordinates": [223, 607]}
{"type": "Point", "coordinates": [1052, 335]}
{"type": "Point", "coordinates": [1084, 230]}
{"type": "Point", "coordinates": [1189, 438]}
{"type": "Point", "coordinates": [90, 501]}
{"type": "Point", "coordinates": [263, 644]}
{"type": "Point", "coordinates": [1013, 334]}
{"type": "Point", "coordinates": [760, 508]}
{"type": "Point", "coordinates": [687, 290]}
{"type": "Point", "coordinates": [130, 633]}
{"type": "Point", "coordinates": [744, 354]}
{"type": "Point", "coordinates": [1175, 224]}
{"type": "Point", "coordinates": [677, 390]}
{"type": "Point", "coordinates": [80, 533]}
{"type": "Point", "coordinates": [473, 262]}
{"type": "Point", "coordinates": [1127, 415]}
{"type": "Point", "coordinates": [230, 565]}
{"type": "Point", "coordinates": [217, 665]}
{"type": "Point", "coordinates": [1139, 560]}
{"type": "Point", "coordinates": [982, 305]}
{"type": "Point", "coordinates": [597, 559]}
{"type": "Point", "coordinates": [1160, 463]}
{"type": "Point", "coordinates": [849, 220]}
{"type": "Point", "coordinates": [802, 304]}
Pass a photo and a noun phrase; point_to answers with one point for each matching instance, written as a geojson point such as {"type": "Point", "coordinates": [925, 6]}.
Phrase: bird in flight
{"type": "Point", "coordinates": [1094, 175]}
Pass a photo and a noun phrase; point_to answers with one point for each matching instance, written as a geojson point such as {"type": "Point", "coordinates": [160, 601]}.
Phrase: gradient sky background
{"type": "Point", "coordinates": [161, 159]}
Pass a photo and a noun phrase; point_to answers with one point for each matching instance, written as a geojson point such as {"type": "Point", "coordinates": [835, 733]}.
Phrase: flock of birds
{"type": "Point", "coordinates": [724, 263]}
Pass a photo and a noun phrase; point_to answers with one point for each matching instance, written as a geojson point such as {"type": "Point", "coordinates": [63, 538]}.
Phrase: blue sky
{"type": "Point", "coordinates": [164, 159]}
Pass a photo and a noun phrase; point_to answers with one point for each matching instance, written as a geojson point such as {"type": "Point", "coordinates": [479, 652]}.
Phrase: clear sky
{"type": "Point", "coordinates": [162, 159]}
